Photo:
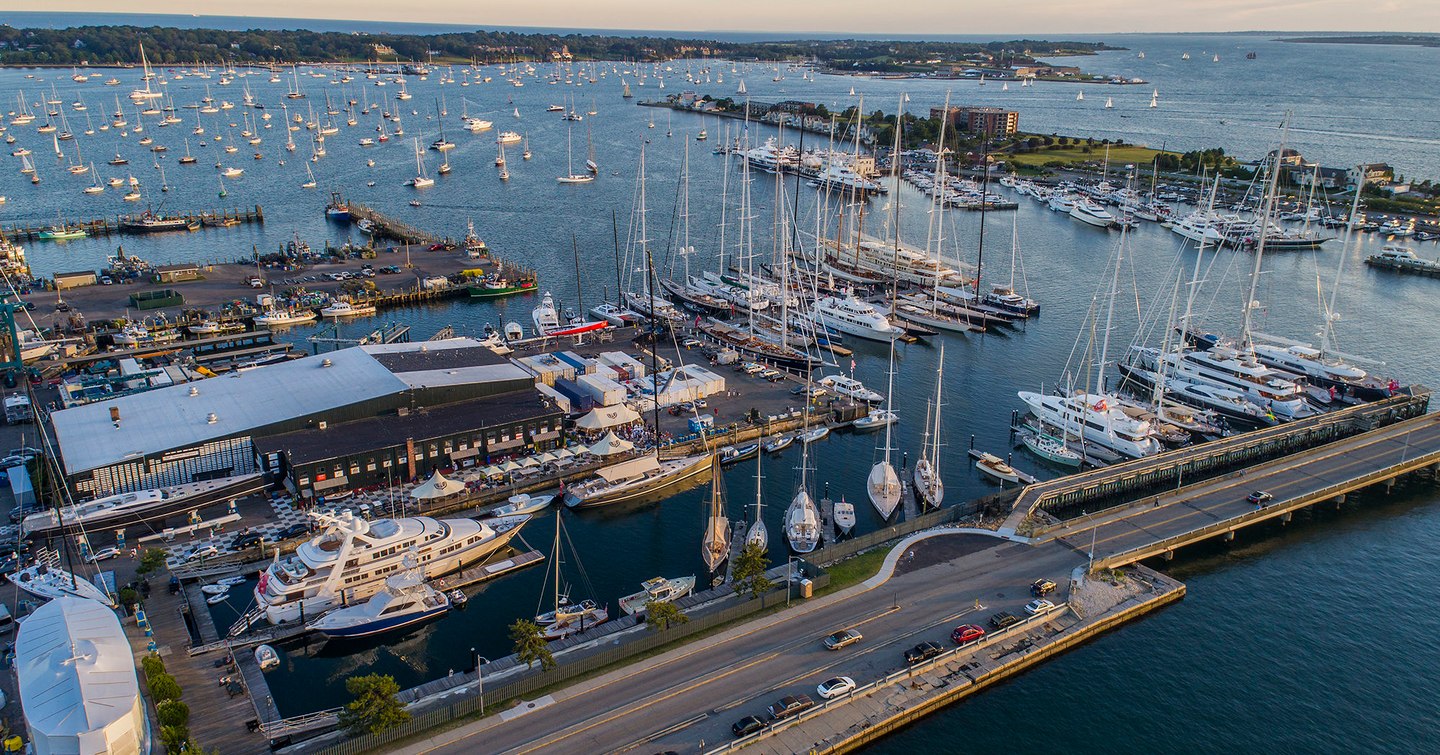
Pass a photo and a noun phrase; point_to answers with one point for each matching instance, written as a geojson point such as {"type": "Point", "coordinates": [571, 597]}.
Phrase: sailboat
{"type": "Point", "coordinates": [1154, 98]}
{"type": "Point", "coordinates": [883, 484]}
{"type": "Point", "coordinates": [928, 485]}
{"type": "Point", "coordinates": [1080, 96]}
{"type": "Point", "coordinates": [715, 545]}
{"type": "Point", "coordinates": [309, 184]}
{"type": "Point", "coordinates": [567, 618]}
{"type": "Point", "coordinates": [421, 180]}
{"type": "Point", "coordinates": [758, 536]}
{"type": "Point", "coordinates": [571, 176]}
{"type": "Point", "coordinates": [802, 518]}
{"type": "Point", "coordinates": [97, 187]}
{"type": "Point", "coordinates": [1109, 103]}
{"type": "Point", "coordinates": [590, 148]}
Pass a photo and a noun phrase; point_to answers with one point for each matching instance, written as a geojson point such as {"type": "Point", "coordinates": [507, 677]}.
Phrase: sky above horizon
{"type": "Point", "coordinates": [830, 16]}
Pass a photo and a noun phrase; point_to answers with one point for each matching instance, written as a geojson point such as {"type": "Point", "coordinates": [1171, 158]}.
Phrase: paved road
{"type": "Point", "coordinates": [693, 694]}
{"type": "Point", "coordinates": [1217, 500]}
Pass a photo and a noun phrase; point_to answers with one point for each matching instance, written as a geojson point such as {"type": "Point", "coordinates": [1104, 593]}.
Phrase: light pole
{"type": "Point", "coordinates": [480, 661]}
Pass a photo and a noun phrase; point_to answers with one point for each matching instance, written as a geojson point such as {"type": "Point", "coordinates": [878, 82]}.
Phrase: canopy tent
{"type": "Point", "coordinates": [602, 417]}
{"type": "Point", "coordinates": [564, 453]}
{"type": "Point", "coordinates": [529, 461]}
{"type": "Point", "coordinates": [436, 487]}
{"type": "Point", "coordinates": [610, 445]}
{"type": "Point", "coordinates": [77, 680]}
{"type": "Point", "coordinates": [546, 457]}
{"type": "Point", "coordinates": [509, 466]}
{"type": "Point", "coordinates": [493, 470]}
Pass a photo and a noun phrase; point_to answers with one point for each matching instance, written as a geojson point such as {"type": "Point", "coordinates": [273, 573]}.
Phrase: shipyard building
{"type": "Point", "coordinates": [360, 414]}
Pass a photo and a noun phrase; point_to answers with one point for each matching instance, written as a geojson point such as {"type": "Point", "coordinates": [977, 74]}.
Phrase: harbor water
{"type": "Point", "coordinates": [1275, 643]}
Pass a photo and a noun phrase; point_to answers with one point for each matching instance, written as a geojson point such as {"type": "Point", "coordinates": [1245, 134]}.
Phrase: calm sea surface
{"type": "Point", "coordinates": [1275, 645]}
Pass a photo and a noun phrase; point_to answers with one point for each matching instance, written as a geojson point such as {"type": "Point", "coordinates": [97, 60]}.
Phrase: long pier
{"type": "Point", "coordinates": [388, 227]}
{"type": "Point", "coordinates": [1220, 507]}
{"type": "Point", "coordinates": [106, 226]}
{"type": "Point", "coordinates": [1092, 490]}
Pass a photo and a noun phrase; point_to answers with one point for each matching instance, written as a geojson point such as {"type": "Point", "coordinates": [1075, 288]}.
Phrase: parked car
{"type": "Point", "coordinates": [1038, 606]}
{"type": "Point", "coordinates": [103, 554]}
{"type": "Point", "coordinates": [1042, 587]}
{"type": "Point", "coordinates": [1260, 497]}
{"type": "Point", "coordinates": [967, 633]}
{"type": "Point", "coordinates": [204, 551]}
{"type": "Point", "coordinates": [294, 530]}
{"type": "Point", "coordinates": [1003, 619]}
{"type": "Point", "coordinates": [790, 705]}
{"type": "Point", "coordinates": [842, 639]}
{"type": "Point", "coordinates": [840, 685]}
{"type": "Point", "coordinates": [922, 652]}
{"type": "Point", "coordinates": [246, 540]}
{"type": "Point", "coordinates": [747, 726]}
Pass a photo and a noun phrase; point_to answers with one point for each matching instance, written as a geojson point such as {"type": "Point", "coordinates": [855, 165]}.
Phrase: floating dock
{"type": "Point", "coordinates": [106, 226]}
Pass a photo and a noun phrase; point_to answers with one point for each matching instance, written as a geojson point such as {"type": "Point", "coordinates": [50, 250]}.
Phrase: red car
{"type": "Point", "coordinates": [966, 634]}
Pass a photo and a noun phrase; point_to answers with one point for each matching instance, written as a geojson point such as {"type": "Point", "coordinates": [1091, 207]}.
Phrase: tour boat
{"type": "Point", "coordinates": [657, 590]}
{"type": "Point", "coordinates": [350, 559]}
{"type": "Point", "coordinates": [404, 601]}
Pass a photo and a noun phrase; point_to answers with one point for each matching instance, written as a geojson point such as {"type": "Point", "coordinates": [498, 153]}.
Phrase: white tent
{"type": "Point", "coordinates": [77, 681]}
{"type": "Point", "coordinates": [611, 445]}
{"type": "Point", "coordinates": [436, 487]}
{"type": "Point", "coordinates": [509, 466]}
{"type": "Point", "coordinates": [563, 453]}
{"type": "Point", "coordinates": [602, 417]}
{"type": "Point", "coordinates": [493, 470]}
{"type": "Point", "coordinates": [546, 457]}
{"type": "Point", "coordinates": [529, 461]}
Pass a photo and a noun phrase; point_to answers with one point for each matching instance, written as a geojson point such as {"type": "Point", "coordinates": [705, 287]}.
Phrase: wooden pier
{"type": "Point", "coordinates": [1414, 267]}
{"type": "Point", "coordinates": [107, 227]}
{"type": "Point", "coordinates": [477, 574]}
{"type": "Point", "coordinates": [390, 228]}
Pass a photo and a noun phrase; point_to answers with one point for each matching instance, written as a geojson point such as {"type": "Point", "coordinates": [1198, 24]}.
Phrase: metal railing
{"type": "Point", "coordinates": [1137, 553]}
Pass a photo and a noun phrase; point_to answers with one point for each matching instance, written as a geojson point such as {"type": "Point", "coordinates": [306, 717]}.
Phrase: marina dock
{"type": "Point", "coordinates": [106, 226]}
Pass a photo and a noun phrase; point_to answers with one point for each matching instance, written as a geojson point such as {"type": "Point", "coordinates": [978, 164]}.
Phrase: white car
{"type": "Point", "coordinates": [840, 685]}
{"type": "Point", "coordinates": [103, 554]}
{"type": "Point", "coordinates": [1038, 606]}
{"type": "Point", "coordinates": [204, 551]}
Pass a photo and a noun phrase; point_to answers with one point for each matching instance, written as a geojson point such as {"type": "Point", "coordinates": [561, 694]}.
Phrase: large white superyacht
{"type": "Point", "coordinates": [349, 561]}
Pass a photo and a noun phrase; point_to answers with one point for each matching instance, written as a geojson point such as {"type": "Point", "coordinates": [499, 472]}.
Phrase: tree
{"type": "Point", "coordinates": [749, 571]}
{"type": "Point", "coordinates": [660, 615]}
{"type": "Point", "coordinates": [164, 687]}
{"type": "Point", "coordinates": [529, 645]}
{"type": "Point", "coordinates": [150, 560]}
{"type": "Point", "coordinates": [173, 713]}
{"type": "Point", "coordinates": [375, 706]}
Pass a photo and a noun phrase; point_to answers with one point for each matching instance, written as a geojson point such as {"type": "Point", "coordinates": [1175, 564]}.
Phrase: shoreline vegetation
{"type": "Point", "coordinates": [119, 45]}
{"type": "Point", "coordinates": [1415, 40]}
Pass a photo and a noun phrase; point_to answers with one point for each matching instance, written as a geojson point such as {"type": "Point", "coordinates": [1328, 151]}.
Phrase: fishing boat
{"type": "Point", "coordinates": [657, 590]}
{"type": "Point", "coordinates": [996, 467]}
{"type": "Point", "coordinates": [495, 285]}
{"type": "Point", "coordinates": [274, 317]}
{"type": "Point", "coordinates": [342, 308]}
{"type": "Point", "coordinates": [152, 222]}
{"type": "Point", "coordinates": [844, 516]}
{"type": "Point", "coordinates": [349, 560]}
{"type": "Point", "coordinates": [403, 602]}
{"type": "Point", "coordinates": [46, 579]}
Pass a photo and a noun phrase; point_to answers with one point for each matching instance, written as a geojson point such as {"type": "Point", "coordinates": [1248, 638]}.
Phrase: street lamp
{"type": "Point", "coordinates": [480, 677]}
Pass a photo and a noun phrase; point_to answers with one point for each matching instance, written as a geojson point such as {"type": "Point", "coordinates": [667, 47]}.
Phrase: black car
{"type": "Point", "coordinates": [1003, 619]}
{"type": "Point", "coordinates": [747, 726]}
{"type": "Point", "coordinates": [294, 530]}
{"type": "Point", "coordinates": [1042, 587]}
{"type": "Point", "coordinates": [922, 652]}
{"type": "Point", "coordinates": [1260, 497]}
{"type": "Point", "coordinates": [246, 540]}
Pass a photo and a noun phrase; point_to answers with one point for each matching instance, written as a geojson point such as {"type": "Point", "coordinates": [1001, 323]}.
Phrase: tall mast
{"type": "Point", "coordinates": [1327, 330]}
{"type": "Point", "coordinates": [1269, 206]}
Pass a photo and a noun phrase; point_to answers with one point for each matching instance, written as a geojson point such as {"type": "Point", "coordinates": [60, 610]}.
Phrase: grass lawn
{"type": "Point", "coordinates": [1074, 154]}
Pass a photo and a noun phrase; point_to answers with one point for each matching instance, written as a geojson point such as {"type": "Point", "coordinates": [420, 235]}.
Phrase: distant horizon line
{"type": "Point", "coordinates": [689, 34]}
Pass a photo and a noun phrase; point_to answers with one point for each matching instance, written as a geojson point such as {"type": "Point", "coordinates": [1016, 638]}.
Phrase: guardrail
{"type": "Point", "coordinates": [1137, 553]}
{"type": "Point", "coordinates": [297, 724]}
{"type": "Point", "coordinates": [944, 657]}
{"type": "Point", "coordinates": [1173, 466]}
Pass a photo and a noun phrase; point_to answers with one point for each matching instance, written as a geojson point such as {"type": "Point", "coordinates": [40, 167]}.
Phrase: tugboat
{"type": "Point", "coordinates": [338, 209]}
